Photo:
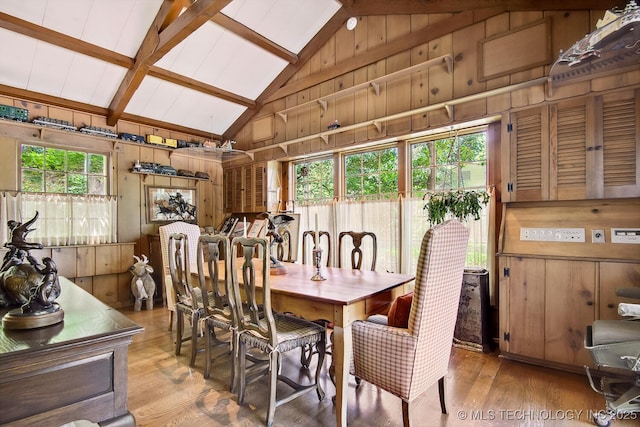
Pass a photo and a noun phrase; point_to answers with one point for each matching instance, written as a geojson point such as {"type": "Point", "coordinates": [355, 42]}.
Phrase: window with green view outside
{"type": "Point", "coordinates": [371, 174]}
{"type": "Point", "coordinates": [54, 170]}
{"type": "Point", "coordinates": [450, 163]}
{"type": "Point", "coordinates": [314, 181]}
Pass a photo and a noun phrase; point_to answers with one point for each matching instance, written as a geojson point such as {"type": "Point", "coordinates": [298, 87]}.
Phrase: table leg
{"type": "Point", "coordinates": [342, 356]}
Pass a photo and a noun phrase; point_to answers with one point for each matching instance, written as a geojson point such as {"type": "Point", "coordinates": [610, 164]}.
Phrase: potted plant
{"type": "Point", "coordinates": [460, 204]}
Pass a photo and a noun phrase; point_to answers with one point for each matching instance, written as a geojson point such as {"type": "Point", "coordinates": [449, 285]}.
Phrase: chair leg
{"type": "Point", "coordinates": [207, 351]}
{"type": "Point", "coordinates": [170, 320]}
{"type": "Point", "coordinates": [405, 413]}
{"type": "Point", "coordinates": [194, 337]}
{"type": "Point", "coordinates": [322, 348]}
{"type": "Point", "coordinates": [241, 370]}
{"type": "Point", "coordinates": [273, 383]}
{"type": "Point", "coordinates": [179, 330]}
{"type": "Point", "coordinates": [441, 392]}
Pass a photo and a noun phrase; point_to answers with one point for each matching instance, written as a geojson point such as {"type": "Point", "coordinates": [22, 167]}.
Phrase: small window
{"type": "Point", "coordinates": [371, 174]}
{"type": "Point", "coordinates": [55, 170]}
{"type": "Point", "coordinates": [449, 163]}
{"type": "Point", "coordinates": [314, 181]}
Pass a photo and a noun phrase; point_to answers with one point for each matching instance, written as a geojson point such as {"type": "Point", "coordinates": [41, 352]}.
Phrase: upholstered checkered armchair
{"type": "Point", "coordinates": [406, 362]}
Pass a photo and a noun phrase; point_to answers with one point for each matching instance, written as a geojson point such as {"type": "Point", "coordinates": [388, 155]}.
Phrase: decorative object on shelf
{"type": "Point", "coordinates": [155, 168]}
{"type": "Point", "coordinates": [143, 287]}
{"type": "Point", "coordinates": [460, 204]}
{"type": "Point", "coordinates": [55, 123]}
{"type": "Point", "coordinates": [228, 225]}
{"type": "Point", "coordinates": [14, 113]}
{"type": "Point", "coordinates": [131, 137]}
{"type": "Point", "coordinates": [186, 172]}
{"type": "Point", "coordinates": [614, 43]}
{"type": "Point", "coordinates": [277, 226]}
{"type": "Point", "coordinates": [171, 204]}
{"type": "Point", "coordinates": [27, 284]}
{"type": "Point", "coordinates": [202, 175]}
{"type": "Point", "coordinates": [334, 125]}
{"type": "Point", "coordinates": [97, 131]}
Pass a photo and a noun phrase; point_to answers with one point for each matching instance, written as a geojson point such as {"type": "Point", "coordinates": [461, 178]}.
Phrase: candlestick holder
{"type": "Point", "coordinates": [317, 260]}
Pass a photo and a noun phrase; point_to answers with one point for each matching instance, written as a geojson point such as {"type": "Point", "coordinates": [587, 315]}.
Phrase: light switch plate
{"type": "Point", "coordinates": [597, 236]}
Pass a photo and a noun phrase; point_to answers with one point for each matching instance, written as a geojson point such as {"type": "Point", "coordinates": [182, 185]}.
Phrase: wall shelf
{"type": "Point", "coordinates": [374, 83]}
{"type": "Point", "coordinates": [166, 175]}
{"type": "Point", "coordinates": [221, 154]}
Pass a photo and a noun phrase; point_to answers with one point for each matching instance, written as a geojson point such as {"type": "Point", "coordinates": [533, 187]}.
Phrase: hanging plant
{"type": "Point", "coordinates": [461, 204]}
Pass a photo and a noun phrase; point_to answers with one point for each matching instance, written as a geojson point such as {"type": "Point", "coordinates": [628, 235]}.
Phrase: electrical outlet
{"type": "Point", "coordinates": [597, 236]}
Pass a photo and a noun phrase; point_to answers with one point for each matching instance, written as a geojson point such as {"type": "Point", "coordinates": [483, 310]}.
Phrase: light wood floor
{"type": "Point", "coordinates": [482, 390]}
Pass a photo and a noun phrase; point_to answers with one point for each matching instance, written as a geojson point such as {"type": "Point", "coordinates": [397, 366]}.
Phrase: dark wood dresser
{"type": "Point", "coordinates": [74, 370]}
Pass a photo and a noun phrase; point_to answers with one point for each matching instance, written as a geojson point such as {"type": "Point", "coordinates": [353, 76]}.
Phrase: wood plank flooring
{"type": "Point", "coordinates": [482, 390]}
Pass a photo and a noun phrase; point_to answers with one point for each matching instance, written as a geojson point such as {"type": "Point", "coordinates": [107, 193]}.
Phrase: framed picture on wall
{"type": "Point", "coordinates": [167, 204]}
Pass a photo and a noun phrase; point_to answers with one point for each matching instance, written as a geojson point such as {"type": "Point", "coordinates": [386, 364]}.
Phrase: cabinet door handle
{"type": "Point", "coordinates": [589, 302]}
{"type": "Point", "coordinates": [611, 305]}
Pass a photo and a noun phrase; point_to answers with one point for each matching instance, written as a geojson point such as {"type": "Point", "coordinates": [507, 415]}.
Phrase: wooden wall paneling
{"type": "Point", "coordinates": [615, 275]}
{"type": "Point", "coordinates": [85, 283]}
{"type": "Point", "coordinates": [81, 119]}
{"type": "Point", "coordinates": [131, 212]}
{"type": "Point", "coordinates": [526, 304]}
{"type": "Point", "coordinates": [398, 91]}
{"type": "Point", "coordinates": [440, 81]}
{"type": "Point", "coordinates": [86, 261]}
{"type": "Point", "coordinates": [61, 114]}
{"type": "Point", "coordinates": [419, 87]}
{"type": "Point", "coordinates": [470, 110]}
{"type": "Point", "coordinates": [292, 119]}
{"type": "Point", "coordinates": [465, 54]}
{"type": "Point", "coordinates": [9, 172]}
{"type": "Point", "coordinates": [567, 27]}
{"type": "Point", "coordinates": [304, 116]}
{"type": "Point", "coordinates": [315, 120]}
{"type": "Point", "coordinates": [570, 301]}
{"type": "Point", "coordinates": [360, 99]}
{"type": "Point", "coordinates": [125, 298]}
{"type": "Point", "coordinates": [345, 111]}
{"type": "Point", "coordinates": [398, 95]}
{"type": "Point", "coordinates": [629, 78]}
{"type": "Point", "coordinates": [376, 104]}
{"type": "Point", "coordinates": [105, 288]}
{"type": "Point", "coordinates": [107, 259]}
{"type": "Point", "coordinates": [125, 256]}
{"type": "Point", "coordinates": [519, 19]}
{"type": "Point", "coordinates": [65, 259]}
{"type": "Point", "coordinates": [497, 104]}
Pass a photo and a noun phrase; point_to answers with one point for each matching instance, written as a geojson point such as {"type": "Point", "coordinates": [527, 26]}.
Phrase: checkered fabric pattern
{"type": "Point", "coordinates": [405, 362]}
{"type": "Point", "coordinates": [193, 234]}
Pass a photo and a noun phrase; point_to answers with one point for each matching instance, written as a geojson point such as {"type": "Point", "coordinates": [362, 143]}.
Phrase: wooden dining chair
{"type": "Point", "coordinates": [272, 333]}
{"type": "Point", "coordinates": [358, 241]}
{"type": "Point", "coordinates": [214, 275]}
{"type": "Point", "coordinates": [193, 232]}
{"type": "Point", "coordinates": [308, 238]}
{"type": "Point", "coordinates": [190, 300]}
{"type": "Point", "coordinates": [407, 361]}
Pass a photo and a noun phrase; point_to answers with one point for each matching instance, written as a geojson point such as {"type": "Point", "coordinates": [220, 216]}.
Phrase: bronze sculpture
{"type": "Point", "coordinates": [27, 284]}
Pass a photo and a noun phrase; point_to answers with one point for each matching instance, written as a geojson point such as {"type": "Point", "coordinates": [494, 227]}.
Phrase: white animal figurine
{"type": "Point", "coordinates": [142, 284]}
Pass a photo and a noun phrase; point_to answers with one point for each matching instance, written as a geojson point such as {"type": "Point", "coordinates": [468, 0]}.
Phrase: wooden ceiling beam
{"type": "Point", "coordinates": [156, 44]}
{"type": "Point", "coordinates": [37, 32]}
{"type": "Point", "coordinates": [254, 38]}
{"type": "Point", "coordinates": [404, 7]}
{"type": "Point", "coordinates": [196, 85]}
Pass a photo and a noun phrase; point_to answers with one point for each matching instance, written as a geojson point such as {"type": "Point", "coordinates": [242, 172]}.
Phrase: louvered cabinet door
{"type": "Point", "coordinates": [259, 188]}
{"type": "Point", "coordinates": [571, 136]}
{"type": "Point", "coordinates": [618, 158]}
{"type": "Point", "coordinates": [528, 155]}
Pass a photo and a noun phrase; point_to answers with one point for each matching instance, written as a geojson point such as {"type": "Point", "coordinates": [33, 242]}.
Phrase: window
{"type": "Point", "coordinates": [372, 174]}
{"type": "Point", "coordinates": [449, 163]}
{"type": "Point", "coordinates": [68, 189]}
{"type": "Point", "coordinates": [54, 170]}
{"type": "Point", "coordinates": [314, 181]}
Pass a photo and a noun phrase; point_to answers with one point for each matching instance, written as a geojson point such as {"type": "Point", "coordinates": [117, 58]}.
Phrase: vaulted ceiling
{"type": "Point", "coordinates": [203, 67]}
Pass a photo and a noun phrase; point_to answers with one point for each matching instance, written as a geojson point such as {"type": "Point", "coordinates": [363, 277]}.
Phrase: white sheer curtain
{"type": "Point", "coordinates": [399, 225]}
{"type": "Point", "coordinates": [63, 219]}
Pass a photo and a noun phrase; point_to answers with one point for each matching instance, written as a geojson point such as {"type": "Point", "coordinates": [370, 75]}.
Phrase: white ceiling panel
{"type": "Point", "coordinates": [92, 81]}
{"type": "Point", "coordinates": [213, 54]}
{"type": "Point", "coordinates": [168, 102]}
{"type": "Point", "coordinates": [220, 58]}
{"type": "Point", "coordinates": [289, 23]}
{"type": "Point", "coordinates": [118, 25]}
{"type": "Point", "coordinates": [21, 50]}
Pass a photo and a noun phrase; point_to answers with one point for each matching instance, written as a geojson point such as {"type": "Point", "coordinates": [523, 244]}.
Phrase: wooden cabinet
{"type": "Point", "coordinates": [586, 148]}
{"type": "Point", "coordinates": [546, 305]}
{"type": "Point", "coordinates": [245, 188]}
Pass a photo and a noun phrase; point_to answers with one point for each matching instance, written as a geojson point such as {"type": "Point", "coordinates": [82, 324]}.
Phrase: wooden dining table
{"type": "Point", "coordinates": [345, 296]}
